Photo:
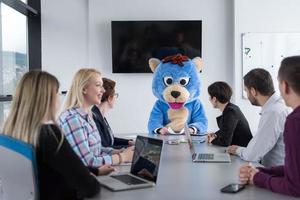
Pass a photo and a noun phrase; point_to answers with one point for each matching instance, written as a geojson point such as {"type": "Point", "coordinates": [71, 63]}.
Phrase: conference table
{"type": "Point", "coordinates": [180, 178]}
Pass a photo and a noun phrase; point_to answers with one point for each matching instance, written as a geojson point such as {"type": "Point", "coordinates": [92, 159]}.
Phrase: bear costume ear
{"type": "Point", "coordinates": [153, 62]}
{"type": "Point", "coordinates": [198, 62]}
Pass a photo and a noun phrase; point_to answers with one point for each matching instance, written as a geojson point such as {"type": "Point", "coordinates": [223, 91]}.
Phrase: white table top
{"type": "Point", "coordinates": [180, 178]}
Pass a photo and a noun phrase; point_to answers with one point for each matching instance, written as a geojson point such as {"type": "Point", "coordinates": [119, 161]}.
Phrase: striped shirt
{"type": "Point", "coordinates": [83, 136]}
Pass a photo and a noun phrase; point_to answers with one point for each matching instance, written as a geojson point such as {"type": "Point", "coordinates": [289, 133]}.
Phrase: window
{"type": "Point", "coordinates": [14, 48]}
{"type": "Point", "coordinates": [20, 45]}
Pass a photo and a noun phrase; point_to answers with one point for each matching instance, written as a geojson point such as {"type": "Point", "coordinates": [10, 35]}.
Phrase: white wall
{"type": "Point", "coordinates": [64, 38]}
{"type": "Point", "coordinates": [132, 110]}
{"type": "Point", "coordinates": [76, 33]}
{"type": "Point", "coordinates": [260, 16]}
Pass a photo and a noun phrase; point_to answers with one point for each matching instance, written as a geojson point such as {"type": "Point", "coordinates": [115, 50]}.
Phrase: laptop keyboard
{"type": "Point", "coordinates": [206, 156]}
{"type": "Point", "coordinates": [127, 179]}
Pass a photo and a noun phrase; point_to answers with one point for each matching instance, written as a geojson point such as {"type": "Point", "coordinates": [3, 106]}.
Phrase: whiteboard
{"type": "Point", "coordinates": [266, 50]}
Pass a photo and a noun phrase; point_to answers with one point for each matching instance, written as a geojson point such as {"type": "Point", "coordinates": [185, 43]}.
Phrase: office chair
{"type": "Point", "coordinates": [18, 170]}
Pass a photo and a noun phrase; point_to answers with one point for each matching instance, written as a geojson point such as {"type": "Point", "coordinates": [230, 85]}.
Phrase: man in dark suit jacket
{"type": "Point", "coordinates": [233, 126]}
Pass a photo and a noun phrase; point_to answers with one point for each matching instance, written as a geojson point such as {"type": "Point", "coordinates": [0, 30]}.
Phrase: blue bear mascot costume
{"type": "Point", "coordinates": [176, 84]}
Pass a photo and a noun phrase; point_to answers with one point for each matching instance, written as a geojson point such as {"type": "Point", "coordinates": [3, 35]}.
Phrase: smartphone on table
{"type": "Point", "coordinates": [233, 188]}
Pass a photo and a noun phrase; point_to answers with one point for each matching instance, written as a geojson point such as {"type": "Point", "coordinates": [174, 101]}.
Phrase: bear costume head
{"type": "Point", "coordinates": [176, 83]}
{"type": "Point", "coordinates": [176, 79]}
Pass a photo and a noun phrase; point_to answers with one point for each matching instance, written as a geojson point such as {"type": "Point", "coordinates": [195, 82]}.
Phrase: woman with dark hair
{"type": "Point", "coordinates": [233, 126]}
{"type": "Point", "coordinates": [284, 179]}
{"type": "Point", "coordinates": [99, 112]}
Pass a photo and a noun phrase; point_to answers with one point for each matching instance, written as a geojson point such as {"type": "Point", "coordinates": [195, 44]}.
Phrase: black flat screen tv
{"type": "Point", "coordinates": [135, 42]}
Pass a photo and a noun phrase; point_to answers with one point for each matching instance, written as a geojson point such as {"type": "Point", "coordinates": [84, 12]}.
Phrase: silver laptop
{"type": "Point", "coordinates": [205, 157]}
{"type": "Point", "coordinates": [144, 168]}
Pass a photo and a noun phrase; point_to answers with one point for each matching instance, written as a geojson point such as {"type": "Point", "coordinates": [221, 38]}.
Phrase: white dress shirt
{"type": "Point", "coordinates": [267, 145]}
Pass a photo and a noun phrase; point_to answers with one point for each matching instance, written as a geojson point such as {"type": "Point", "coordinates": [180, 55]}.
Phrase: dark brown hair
{"type": "Point", "coordinates": [221, 90]}
{"type": "Point", "coordinates": [109, 86]}
{"type": "Point", "coordinates": [289, 71]}
{"type": "Point", "coordinates": [261, 80]}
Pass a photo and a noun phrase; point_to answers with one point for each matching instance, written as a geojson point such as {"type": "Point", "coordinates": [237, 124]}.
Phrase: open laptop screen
{"type": "Point", "coordinates": [189, 140]}
{"type": "Point", "coordinates": [146, 158]}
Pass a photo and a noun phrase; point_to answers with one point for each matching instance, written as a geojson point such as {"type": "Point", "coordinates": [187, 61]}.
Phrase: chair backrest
{"type": "Point", "coordinates": [18, 170]}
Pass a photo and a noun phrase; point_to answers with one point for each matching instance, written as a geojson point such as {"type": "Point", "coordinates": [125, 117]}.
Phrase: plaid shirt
{"type": "Point", "coordinates": [83, 136]}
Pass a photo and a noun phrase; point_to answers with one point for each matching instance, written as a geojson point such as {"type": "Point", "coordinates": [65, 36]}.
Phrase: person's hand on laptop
{"type": "Point", "coordinates": [105, 170]}
{"type": "Point", "coordinates": [232, 149]}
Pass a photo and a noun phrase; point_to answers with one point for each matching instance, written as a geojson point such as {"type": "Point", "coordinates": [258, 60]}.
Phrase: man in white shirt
{"type": "Point", "coordinates": [267, 145]}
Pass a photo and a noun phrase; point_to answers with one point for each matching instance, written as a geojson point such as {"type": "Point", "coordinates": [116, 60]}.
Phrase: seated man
{"type": "Point", "coordinates": [233, 126]}
{"type": "Point", "coordinates": [267, 145]}
{"type": "Point", "coordinates": [284, 179]}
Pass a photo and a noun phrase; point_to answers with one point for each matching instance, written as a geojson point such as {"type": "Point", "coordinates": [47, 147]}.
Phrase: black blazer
{"type": "Point", "coordinates": [234, 128]}
{"type": "Point", "coordinates": [61, 173]}
{"type": "Point", "coordinates": [106, 134]}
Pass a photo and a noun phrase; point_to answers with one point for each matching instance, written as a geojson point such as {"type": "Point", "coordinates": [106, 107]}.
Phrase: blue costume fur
{"type": "Point", "coordinates": [177, 87]}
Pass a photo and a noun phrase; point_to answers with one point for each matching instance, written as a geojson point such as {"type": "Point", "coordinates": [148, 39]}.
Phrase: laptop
{"type": "Point", "coordinates": [144, 167]}
{"type": "Point", "coordinates": [205, 157]}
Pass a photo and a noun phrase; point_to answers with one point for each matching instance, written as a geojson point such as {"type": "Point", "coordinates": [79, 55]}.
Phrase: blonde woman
{"type": "Point", "coordinates": [78, 125]}
{"type": "Point", "coordinates": [32, 119]}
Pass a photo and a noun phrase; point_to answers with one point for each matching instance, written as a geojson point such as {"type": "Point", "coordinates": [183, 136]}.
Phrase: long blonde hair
{"type": "Point", "coordinates": [75, 94]}
{"type": "Point", "coordinates": [34, 99]}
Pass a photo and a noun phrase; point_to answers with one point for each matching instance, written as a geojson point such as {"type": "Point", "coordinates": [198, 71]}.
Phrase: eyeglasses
{"type": "Point", "coordinates": [116, 95]}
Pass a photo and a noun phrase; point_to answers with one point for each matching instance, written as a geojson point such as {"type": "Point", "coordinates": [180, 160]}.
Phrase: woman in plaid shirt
{"type": "Point", "coordinates": [77, 122]}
